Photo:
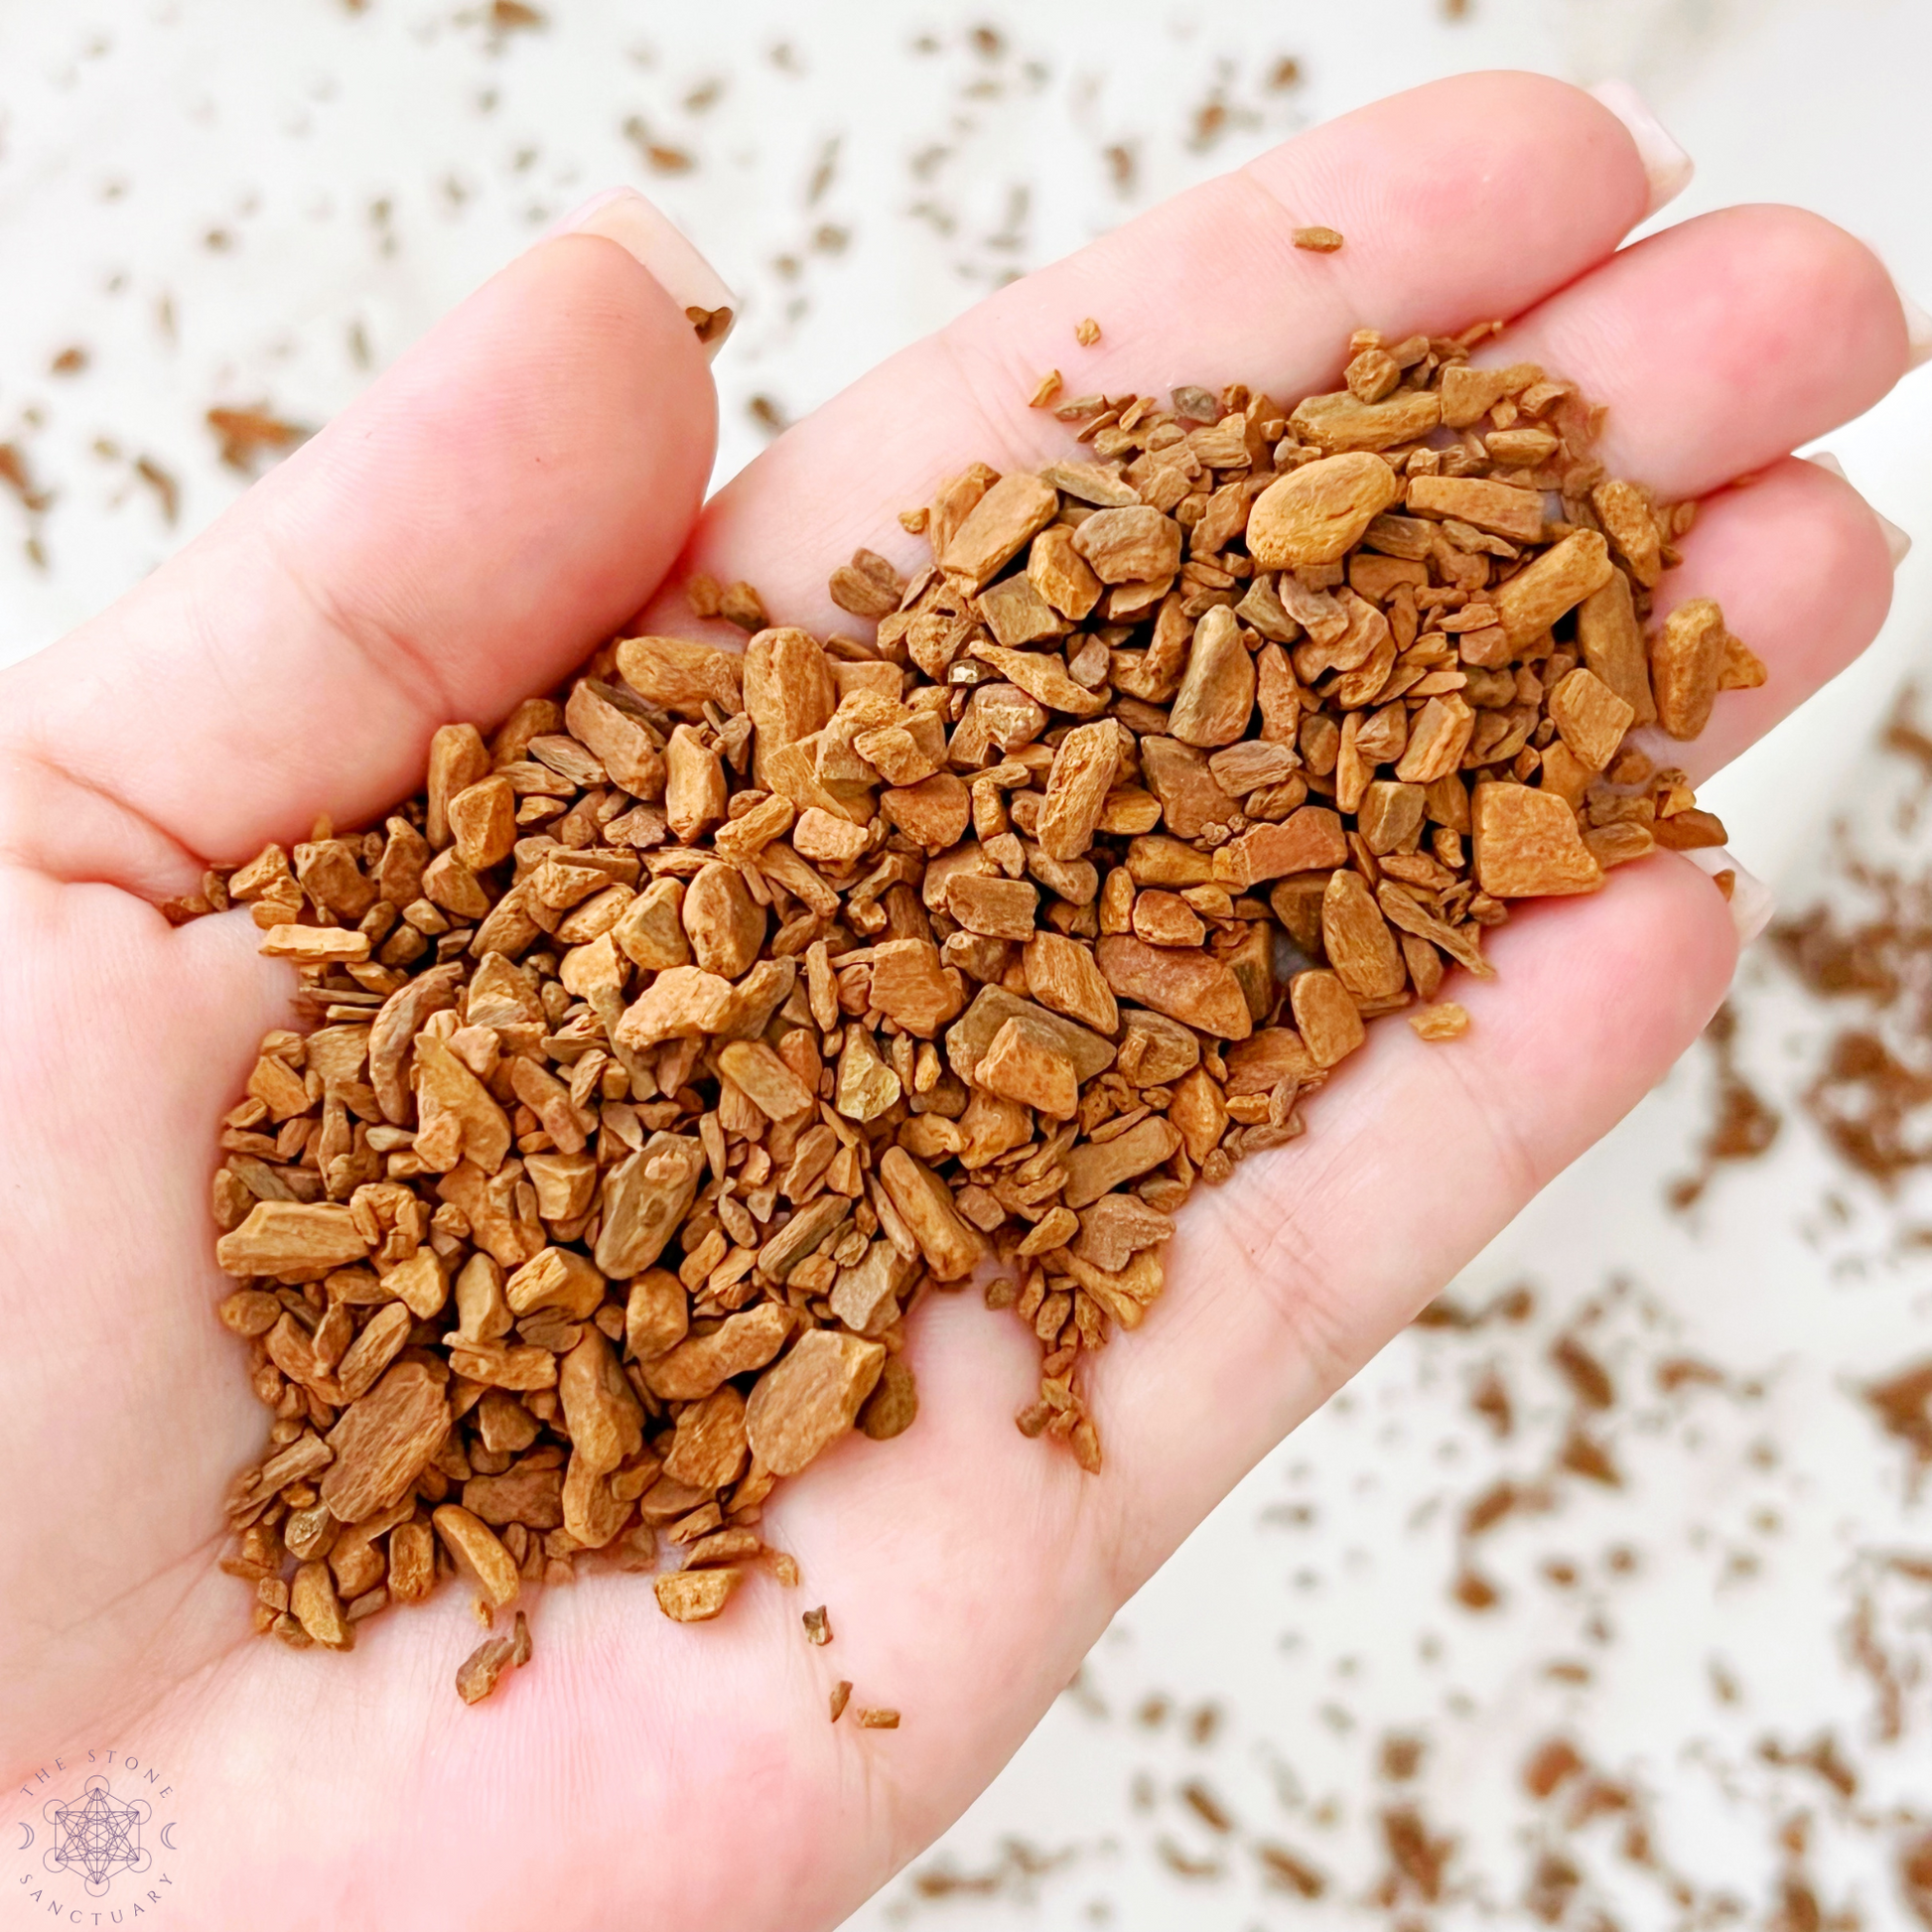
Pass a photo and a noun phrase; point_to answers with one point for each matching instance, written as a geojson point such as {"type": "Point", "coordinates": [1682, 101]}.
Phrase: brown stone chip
{"type": "Point", "coordinates": [696, 1596]}
{"type": "Point", "coordinates": [912, 984]}
{"type": "Point", "coordinates": [1218, 690]}
{"type": "Point", "coordinates": [1504, 509]}
{"type": "Point", "coordinates": [681, 678]}
{"type": "Point", "coordinates": [1321, 241]}
{"type": "Point", "coordinates": [993, 1006]}
{"type": "Point", "coordinates": [384, 1441]}
{"type": "Point", "coordinates": [710, 1447]}
{"type": "Point", "coordinates": [1016, 612]}
{"type": "Point", "coordinates": [317, 1607]}
{"type": "Point", "coordinates": [1591, 718]}
{"type": "Point", "coordinates": [1061, 576]}
{"type": "Point", "coordinates": [316, 946]}
{"type": "Point", "coordinates": [1137, 546]}
{"type": "Point", "coordinates": [1631, 525]}
{"type": "Point", "coordinates": [1082, 774]}
{"type": "Point", "coordinates": [1687, 662]}
{"type": "Point", "coordinates": [893, 1405]}
{"type": "Point", "coordinates": [869, 585]}
{"type": "Point", "coordinates": [1358, 940]}
{"type": "Point", "coordinates": [1061, 974]}
{"type": "Point", "coordinates": [1021, 1067]}
{"type": "Point", "coordinates": [1338, 422]}
{"type": "Point", "coordinates": [803, 1405]}
{"type": "Point", "coordinates": [1317, 515]}
{"type": "Point", "coordinates": [1042, 676]}
{"type": "Point", "coordinates": [1554, 584]}
{"type": "Point", "coordinates": [1193, 987]}
{"type": "Point", "coordinates": [997, 908]}
{"type": "Point", "coordinates": [1330, 1021]}
{"type": "Point", "coordinates": [1445, 1021]}
{"type": "Point", "coordinates": [523, 1494]}
{"type": "Point", "coordinates": [600, 1410]}
{"type": "Point", "coordinates": [925, 1204]}
{"type": "Point", "coordinates": [1528, 845]}
{"type": "Point", "coordinates": [643, 1198]}
{"type": "Point", "coordinates": [1097, 1167]}
{"type": "Point", "coordinates": [1000, 525]}
{"type": "Point", "coordinates": [841, 1697]}
{"type": "Point", "coordinates": [1309, 840]}
{"type": "Point", "coordinates": [477, 1550]}
{"type": "Point", "coordinates": [479, 1673]}
{"type": "Point", "coordinates": [877, 1720]}
{"type": "Point", "coordinates": [289, 1241]}
{"type": "Point", "coordinates": [771, 1085]}
{"type": "Point", "coordinates": [694, 1368]}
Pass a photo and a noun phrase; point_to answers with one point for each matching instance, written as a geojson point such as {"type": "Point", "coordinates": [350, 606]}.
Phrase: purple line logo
{"type": "Point", "coordinates": [93, 1834]}
{"type": "Point", "coordinates": [97, 1836]}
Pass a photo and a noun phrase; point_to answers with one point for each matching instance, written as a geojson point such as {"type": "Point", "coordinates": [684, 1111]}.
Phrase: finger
{"type": "Point", "coordinates": [462, 536]}
{"type": "Point", "coordinates": [1722, 344]}
{"type": "Point", "coordinates": [1466, 199]}
{"type": "Point", "coordinates": [1284, 1281]}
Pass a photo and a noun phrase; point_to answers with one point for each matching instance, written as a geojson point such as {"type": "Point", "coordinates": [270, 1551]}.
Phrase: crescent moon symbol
{"type": "Point", "coordinates": [26, 1842]}
{"type": "Point", "coordinates": [165, 1838]}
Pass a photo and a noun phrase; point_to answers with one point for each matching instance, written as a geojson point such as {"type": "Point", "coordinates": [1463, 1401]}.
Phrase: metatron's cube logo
{"type": "Point", "coordinates": [97, 1835]}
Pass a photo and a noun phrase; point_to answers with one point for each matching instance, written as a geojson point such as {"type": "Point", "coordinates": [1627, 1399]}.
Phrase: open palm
{"type": "Point", "coordinates": [514, 491]}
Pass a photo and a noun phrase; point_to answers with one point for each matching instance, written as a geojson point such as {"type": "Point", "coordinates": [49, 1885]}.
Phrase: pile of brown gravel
{"type": "Point", "coordinates": [683, 1033]}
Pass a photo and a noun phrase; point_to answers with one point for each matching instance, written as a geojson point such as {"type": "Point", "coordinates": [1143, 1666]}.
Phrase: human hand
{"type": "Point", "coordinates": [514, 490]}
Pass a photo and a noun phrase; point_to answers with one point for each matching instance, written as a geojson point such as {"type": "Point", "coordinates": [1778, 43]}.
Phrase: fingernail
{"type": "Point", "coordinates": [1918, 330]}
{"type": "Point", "coordinates": [1897, 541]}
{"type": "Point", "coordinates": [1663, 159]}
{"type": "Point", "coordinates": [1918, 324]}
{"type": "Point", "coordinates": [643, 229]}
{"type": "Point", "coordinates": [1750, 900]}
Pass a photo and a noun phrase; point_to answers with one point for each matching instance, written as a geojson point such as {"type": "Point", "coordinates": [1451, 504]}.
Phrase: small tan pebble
{"type": "Point", "coordinates": [841, 1697]}
{"type": "Point", "coordinates": [877, 1720]}
{"type": "Point", "coordinates": [477, 1675]}
{"type": "Point", "coordinates": [695, 1595]}
{"type": "Point", "coordinates": [1725, 881]}
{"type": "Point", "coordinates": [316, 944]}
{"type": "Point", "coordinates": [1045, 391]}
{"type": "Point", "coordinates": [914, 522]}
{"type": "Point", "coordinates": [1086, 331]}
{"type": "Point", "coordinates": [1319, 241]}
{"type": "Point", "coordinates": [818, 1628]}
{"type": "Point", "coordinates": [1445, 1021]}
{"type": "Point", "coordinates": [741, 605]}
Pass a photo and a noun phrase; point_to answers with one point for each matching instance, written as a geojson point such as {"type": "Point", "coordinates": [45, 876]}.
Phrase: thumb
{"type": "Point", "coordinates": [507, 495]}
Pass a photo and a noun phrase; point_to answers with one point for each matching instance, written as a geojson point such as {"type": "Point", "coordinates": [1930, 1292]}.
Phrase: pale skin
{"type": "Point", "coordinates": [511, 494]}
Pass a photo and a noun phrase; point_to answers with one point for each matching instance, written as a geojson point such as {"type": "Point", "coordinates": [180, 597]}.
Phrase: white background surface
{"type": "Point", "coordinates": [225, 203]}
